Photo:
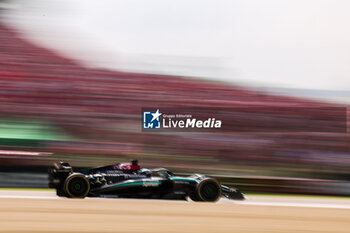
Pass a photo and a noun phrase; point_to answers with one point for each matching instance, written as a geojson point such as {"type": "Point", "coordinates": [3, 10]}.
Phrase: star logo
{"type": "Point", "coordinates": [151, 120]}
{"type": "Point", "coordinates": [156, 115]}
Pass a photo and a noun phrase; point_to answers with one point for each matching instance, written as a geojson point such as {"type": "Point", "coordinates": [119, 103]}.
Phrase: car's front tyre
{"type": "Point", "coordinates": [208, 190]}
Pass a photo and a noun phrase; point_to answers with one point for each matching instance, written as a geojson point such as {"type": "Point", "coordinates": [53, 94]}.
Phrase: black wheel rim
{"type": "Point", "coordinates": [210, 191]}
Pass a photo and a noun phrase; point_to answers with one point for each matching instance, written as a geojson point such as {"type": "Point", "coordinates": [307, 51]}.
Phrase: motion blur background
{"type": "Point", "coordinates": [74, 75]}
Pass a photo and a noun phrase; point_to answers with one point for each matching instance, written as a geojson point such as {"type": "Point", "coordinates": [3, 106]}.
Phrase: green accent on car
{"type": "Point", "coordinates": [77, 186]}
{"type": "Point", "coordinates": [208, 190]}
{"type": "Point", "coordinates": [184, 179]}
{"type": "Point", "coordinates": [225, 188]}
{"type": "Point", "coordinates": [135, 183]}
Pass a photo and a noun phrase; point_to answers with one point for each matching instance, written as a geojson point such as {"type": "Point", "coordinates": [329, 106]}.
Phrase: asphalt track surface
{"type": "Point", "coordinates": [42, 211]}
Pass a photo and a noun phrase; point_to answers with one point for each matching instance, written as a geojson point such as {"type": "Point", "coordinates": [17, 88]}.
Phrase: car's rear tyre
{"type": "Point", "coordinates": [60, 192]}
{"type": "Point", "coordinates": [207, 190]}
{"type": "Point", "coordinates": [193, 196]}
{"type": "Point", "coordinates": [76, 186]}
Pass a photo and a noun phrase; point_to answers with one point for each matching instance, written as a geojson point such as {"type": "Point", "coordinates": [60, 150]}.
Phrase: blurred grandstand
{"type": "Point", "coordinates": [93, 116]}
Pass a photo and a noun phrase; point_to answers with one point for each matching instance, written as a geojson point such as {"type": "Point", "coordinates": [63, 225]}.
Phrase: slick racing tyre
{"type": "Point", "coordinates": [193, 196]}
{"type": "Point", "coordinates": [60, 192]}
{"type": "Point", "coordinates": [76, 186]}
{"type": "Point", "coordinates": [207, 190]}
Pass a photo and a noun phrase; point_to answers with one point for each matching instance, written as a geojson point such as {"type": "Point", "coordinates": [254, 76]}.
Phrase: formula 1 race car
{"type": "Point", "coordinates": [127, 180]}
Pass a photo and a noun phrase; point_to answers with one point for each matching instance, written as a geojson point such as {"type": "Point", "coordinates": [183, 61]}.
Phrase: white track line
{"type": "Point", "coordinates": [18, 195]}
{"type": "Point", "coordinates": [28, 197]}
{"type": "Point", "coordinates": [290, 204]}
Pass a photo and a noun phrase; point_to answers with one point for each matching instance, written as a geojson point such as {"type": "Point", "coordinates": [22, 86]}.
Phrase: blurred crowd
{"type": "Point", "coordinates": [100, 111]}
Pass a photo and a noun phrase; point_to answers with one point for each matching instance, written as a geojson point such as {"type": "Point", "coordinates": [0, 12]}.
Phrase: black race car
{"type": "Point", "coordinates": [129, 181]}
